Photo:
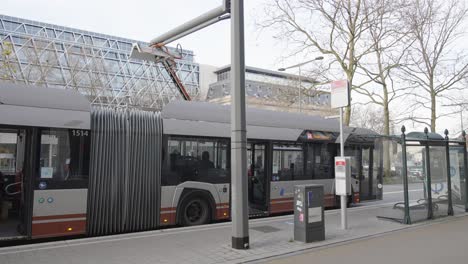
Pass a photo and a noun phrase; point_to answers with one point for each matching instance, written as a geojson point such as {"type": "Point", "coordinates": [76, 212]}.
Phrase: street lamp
{"type": "Point", "coordinates": [300, 78]}
{"type": "Point", "coordinates": [462, 107]}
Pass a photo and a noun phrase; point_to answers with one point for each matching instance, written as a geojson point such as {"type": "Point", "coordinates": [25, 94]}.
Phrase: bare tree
{"type": "Point", "coordinates": [7, 71]}
{"type": "Point", "coordinates": [305, 88]}
{"type": "Point", "coordinates": [331, 27]}
{"type": "Point", "coordinates": [434, 65]}
{"type": "Point", "coordinates": [368, 116]}
{"type": "Point", "coordinates": [388, 37]}
{"type": "Point", "coordinates": [389, 42]}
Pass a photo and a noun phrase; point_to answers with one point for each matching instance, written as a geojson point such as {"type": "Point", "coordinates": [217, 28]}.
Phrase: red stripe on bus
{"type": "Point", "coordinates": [54, 217]}
{"type": "Point", "coordinates": [222, 213]}
{"type": "Point", "coordinates": [55, 229]}
{"type": "Point", "coordinates": [168, 209]}
{"type": "Point", "coordinates": [329, 201]}
{"type": "Point", "coordinates": [283, 199]}
{"type": "Point", "coordinates": [281, 207]}
{"type": "Point", "coordinates": [168, 218]}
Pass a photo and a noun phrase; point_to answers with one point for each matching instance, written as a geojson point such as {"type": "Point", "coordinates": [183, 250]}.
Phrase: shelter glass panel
{"type": "Point", "coordinates": [393, 184]}
{"type": "Point", "coordinates": [438, 188]}
{"type": "Point", "coordinates": [457, 179]}
{"type": "Point", "coordinates": [378, 168]}
{"type": "Point", "coordinates": [417, 183]}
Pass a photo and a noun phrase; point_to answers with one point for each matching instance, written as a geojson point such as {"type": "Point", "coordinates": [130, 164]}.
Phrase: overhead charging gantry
{"type": "Point", "coordinates": [157, 50]}
{"type": "Point", "coordinates": [233, 9]}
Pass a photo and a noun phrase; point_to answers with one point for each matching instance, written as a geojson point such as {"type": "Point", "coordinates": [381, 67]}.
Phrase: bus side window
{"type": "Point", "coordinates": [288, 162]}
{"type": "Point", "coordinates": [320, 159]}
{"type": "Point", "coordinates": [199, 159]}
{"type": "Point", "coordinates": [64, 154]}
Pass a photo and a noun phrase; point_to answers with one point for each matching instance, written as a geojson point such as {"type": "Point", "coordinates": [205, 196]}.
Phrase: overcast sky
{"type": "Point", "coordinates": [146, 19]}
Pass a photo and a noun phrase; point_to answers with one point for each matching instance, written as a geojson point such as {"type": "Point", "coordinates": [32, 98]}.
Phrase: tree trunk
{"type": "Point", "coordinates": [386, 145]}
{"type": "Point", "coordinates": [347, 115]}
{"type": "Point", "coordinates": [433, 112]}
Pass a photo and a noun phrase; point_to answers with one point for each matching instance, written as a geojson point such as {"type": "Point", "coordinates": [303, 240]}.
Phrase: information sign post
{"type": "Point", "coordinates": [340, 98]}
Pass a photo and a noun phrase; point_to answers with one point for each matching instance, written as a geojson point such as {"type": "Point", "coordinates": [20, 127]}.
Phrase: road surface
{"type": "Point", "coordinates": [437, 243]}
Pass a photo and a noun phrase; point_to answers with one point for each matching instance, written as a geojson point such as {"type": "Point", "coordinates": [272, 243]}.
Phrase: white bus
{"type": "Point", "coordinates": [82, 171]}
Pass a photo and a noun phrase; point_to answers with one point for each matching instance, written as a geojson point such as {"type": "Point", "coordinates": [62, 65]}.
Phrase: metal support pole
{"type": "Point", "coordinates": [407, 218]}
{"type": "Point", "coordinates": [449, 180]}
{"type": "Point", "coordinates": [343, 198]}
{"type": "Point", "coordinates": [300, 90]}
{"type": "Point", "coordinates": [465, 169]}
{"type": "Point", "coordinates": [239, 214]}
{"type": "Point", "coordinates": [430, 214]}
{"type": "Point", "coordinates": [189, 26]}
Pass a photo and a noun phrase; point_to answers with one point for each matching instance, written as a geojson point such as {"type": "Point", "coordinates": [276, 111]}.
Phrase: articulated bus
{"type": "Point", "coordinates": [67, 169]}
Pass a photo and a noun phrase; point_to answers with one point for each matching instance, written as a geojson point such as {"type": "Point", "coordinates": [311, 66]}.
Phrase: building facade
{"type": "Point", "coordinates": [273, 91]}
{"type": "Point", "coordinates": [95, 64]}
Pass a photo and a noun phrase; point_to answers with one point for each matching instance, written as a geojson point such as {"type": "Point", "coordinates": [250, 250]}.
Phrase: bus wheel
{"type": "Point", "coordinates": [195, 211]}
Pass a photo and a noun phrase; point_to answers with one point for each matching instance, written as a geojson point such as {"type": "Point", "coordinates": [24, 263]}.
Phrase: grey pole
{"type": "Point", "coordinates": [188, 26]}
{"type": "Point", "coordinates": [195, 29]}
{"type": "Point", "coordinates": [465, 169]}
{"type": "Point", "coordinates": [239, 211]}
{"type": "Point", "coordinates": [407, 218]}
{"type": "Point", "coordinates": [343, 198]}
{"type": "Point", "coordinates": [449, 176]}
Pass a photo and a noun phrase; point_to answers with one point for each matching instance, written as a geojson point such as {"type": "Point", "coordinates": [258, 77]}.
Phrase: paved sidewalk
{"type": "Point", "coordinates": [442, 242]}
{"type": "Point", "coordinates": [207, 244]}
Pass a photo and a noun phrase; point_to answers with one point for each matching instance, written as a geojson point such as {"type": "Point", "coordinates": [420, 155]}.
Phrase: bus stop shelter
{"type": "Point", "coordinates": [432, 170]}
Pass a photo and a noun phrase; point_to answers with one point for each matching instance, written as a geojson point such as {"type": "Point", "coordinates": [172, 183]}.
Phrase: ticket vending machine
{"type": "Point", "coordinates": [309, 222]}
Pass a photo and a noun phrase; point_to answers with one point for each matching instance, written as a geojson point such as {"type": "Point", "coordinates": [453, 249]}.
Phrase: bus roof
{"type": "Point", "coordinates": [27, 105]}
{"type": "Point", "coordinates": [202, 118]}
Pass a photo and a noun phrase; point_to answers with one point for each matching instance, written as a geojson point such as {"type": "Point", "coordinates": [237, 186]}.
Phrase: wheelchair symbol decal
{"type": "Point", "coordinates": [453, 171]}
{"type": "Point", "coordinates": [438, 190]}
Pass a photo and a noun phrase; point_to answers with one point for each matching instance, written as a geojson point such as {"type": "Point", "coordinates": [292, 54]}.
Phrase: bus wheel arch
{"type": "Point", "coordinates": [195, 207]}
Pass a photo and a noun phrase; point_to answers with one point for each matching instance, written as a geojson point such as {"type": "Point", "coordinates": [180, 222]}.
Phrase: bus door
{"type": "Point", "coordinates": [15, 191]}
{"type": "Point", "coordinates": [61, 183]}
{"type": "Point", "coordinates": [258, 178]}
{"type": "Point", "coordinates": [365, 178]}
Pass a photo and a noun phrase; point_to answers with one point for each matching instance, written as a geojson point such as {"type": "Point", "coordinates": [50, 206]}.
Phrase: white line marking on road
{"type": "Point", "coordinates": [416, 190]}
